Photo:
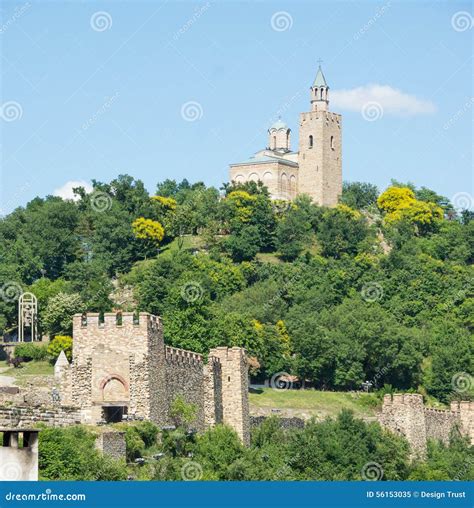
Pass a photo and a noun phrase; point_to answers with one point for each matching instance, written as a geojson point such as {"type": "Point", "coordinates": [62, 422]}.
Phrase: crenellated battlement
{"type": "Point", "coordinates": [320, 115]}
{"type": "Point", "coordinates": [94, 320]}
{"type": "Point", "coordinates": [405, 413]}
{"type": "Point", "coordinates": [434, 410]}
{"type": "Point", "coordinates": [182, 356]}
{"type": "Point", "coordinates": [462, 405]}
{"type": "Point", "coordinates": [214, 361]}
{"type": "Point", "coordinates": [121, 366]}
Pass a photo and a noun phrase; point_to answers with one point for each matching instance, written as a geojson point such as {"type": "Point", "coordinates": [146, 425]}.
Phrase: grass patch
{"type": "Point", "coordinates": [315, 402]}
{"type": "Point", "coordinates": [268, 257]}
{"type": "Point", "coordinates": [188, 242]}
{"type": "Point", "coordinates": [33, 368]}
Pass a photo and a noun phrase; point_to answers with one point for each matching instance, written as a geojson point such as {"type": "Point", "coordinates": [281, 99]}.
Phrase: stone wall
{"type": "Point", "coordinates": [27, 416]}
{"type": "Point", "coordinates": [320, 161]}
{"type": "Point", "coordinates": [112, 444]}
{"type": "Point", "coordinates": [123, 365]}
{"type": "Point", "coordinates": [185, 378]}
{"type": "Point", "coordinates": [405, 414]}
{"type": "Point", "coordinates": [235, 402]}
{"type": "Point", "coordinates": [213, 410]}
{"type": "Point", "coordinates": [280, 177]}
{"type": "Point", "coordinates": [439, 423]}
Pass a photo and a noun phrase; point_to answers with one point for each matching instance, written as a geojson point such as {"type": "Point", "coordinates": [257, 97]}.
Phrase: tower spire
{"type": "Point", "coordinates": [319, 91]}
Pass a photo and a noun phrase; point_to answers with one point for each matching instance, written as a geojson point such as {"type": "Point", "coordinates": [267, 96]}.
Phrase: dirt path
{"type": "Point", "coordinates": [6, 380]}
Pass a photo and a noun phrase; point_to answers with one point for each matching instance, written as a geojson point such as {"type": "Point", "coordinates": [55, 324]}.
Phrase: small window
{"type": "Point", "coordinates": [228, 378]}
{"type": "Point", "coordinates": [332, 142]}
{"type": "Point", "coordinates": [310, 143]}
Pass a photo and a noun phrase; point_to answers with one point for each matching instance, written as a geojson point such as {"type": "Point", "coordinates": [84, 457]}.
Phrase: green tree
{"type": "Point", "coordinates": [69, 454]}
{"type": "Point", "coordinates": [359, 195]}
{"type": "Point", "coordinates": [58, 344]}
{"type": "Point", "coordinates": [57, 319]}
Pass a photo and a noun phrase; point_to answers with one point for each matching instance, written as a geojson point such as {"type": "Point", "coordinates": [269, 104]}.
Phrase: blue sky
{"type": "Point", "coordinates": [91, 90]}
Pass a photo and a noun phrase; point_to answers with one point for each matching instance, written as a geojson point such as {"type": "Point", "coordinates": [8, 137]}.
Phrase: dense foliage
{"type": "Point", "coordinates": [379, 288]}
{"type": "Point", "coordinates": [340, 449]}
{"type": "Point", "coordinates": [69, 454]}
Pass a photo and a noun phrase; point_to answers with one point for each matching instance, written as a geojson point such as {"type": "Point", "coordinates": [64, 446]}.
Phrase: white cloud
{"type": "Point", "coordinates": [65, 191]}
{"type": "Point", "coordinates": [391, 100]}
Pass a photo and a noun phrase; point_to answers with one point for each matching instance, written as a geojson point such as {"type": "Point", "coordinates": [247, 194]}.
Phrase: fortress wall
{"type": "Point", "coordinates": [439, 423]}
{"type": "Point", "coordinates": [184, 374]}
{"type": "Point", "coordinates": [235, 388]}
{"type": "Point", "coordinates": [213, 410]}
{"type": "Point", "coordinates": [465, 409]}
{"type": "Point", "coordinates": [27, 416]}
{"type": "Point", "coordinates": [405, 414]}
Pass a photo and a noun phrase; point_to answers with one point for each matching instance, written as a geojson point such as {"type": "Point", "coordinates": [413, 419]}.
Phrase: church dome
{"type": "Point", "coordinates": [279, 124]}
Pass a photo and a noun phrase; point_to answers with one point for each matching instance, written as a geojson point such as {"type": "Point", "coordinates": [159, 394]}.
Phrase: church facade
{"type": "Point", "coordinates": [315, 169]}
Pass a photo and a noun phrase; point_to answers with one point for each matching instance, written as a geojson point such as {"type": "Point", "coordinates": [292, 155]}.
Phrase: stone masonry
{"type": "Point", "coordinates": [315, 169]}
{"type": "Point", "coordinates": [122, 368]}
{"type": "Point", "coordinates": [406, 414]}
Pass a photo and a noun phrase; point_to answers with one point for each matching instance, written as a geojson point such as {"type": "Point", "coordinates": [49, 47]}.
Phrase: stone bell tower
{"type": "Point", "coordinates": [320, 148]}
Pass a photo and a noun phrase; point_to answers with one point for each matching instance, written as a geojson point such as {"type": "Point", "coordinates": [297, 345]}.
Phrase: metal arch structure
{"type": "Point", "coordinates": [27, 316]}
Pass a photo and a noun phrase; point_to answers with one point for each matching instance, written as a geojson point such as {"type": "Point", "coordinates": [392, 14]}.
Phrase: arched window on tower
{"type": "Point", "coordinates": [332, 142]}
{"type": "Point", "coordinates": [310, 142]}
{"type": "Point", "coordinates": [274, 142]}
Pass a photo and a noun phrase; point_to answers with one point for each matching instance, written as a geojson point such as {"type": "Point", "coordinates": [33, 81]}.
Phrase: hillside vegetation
{"type": "Point", "coordinates": [378, 289]}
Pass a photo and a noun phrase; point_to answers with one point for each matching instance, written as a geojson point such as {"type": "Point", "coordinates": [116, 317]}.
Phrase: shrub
{"type": "Point", "coordinates": [58, 344]}
{"type": "Point", "coordinates": [147, 432]}
{"type": "Point", "coordinates": [30, 351]}
{"type": "Point", "coordinates": [181, 412]}
{"type": "Point", "coordinates": [70, 454]}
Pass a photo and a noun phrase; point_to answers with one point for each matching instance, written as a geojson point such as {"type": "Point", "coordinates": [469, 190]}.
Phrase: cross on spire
{"type": "Point", "coordinates": [320, 62]}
